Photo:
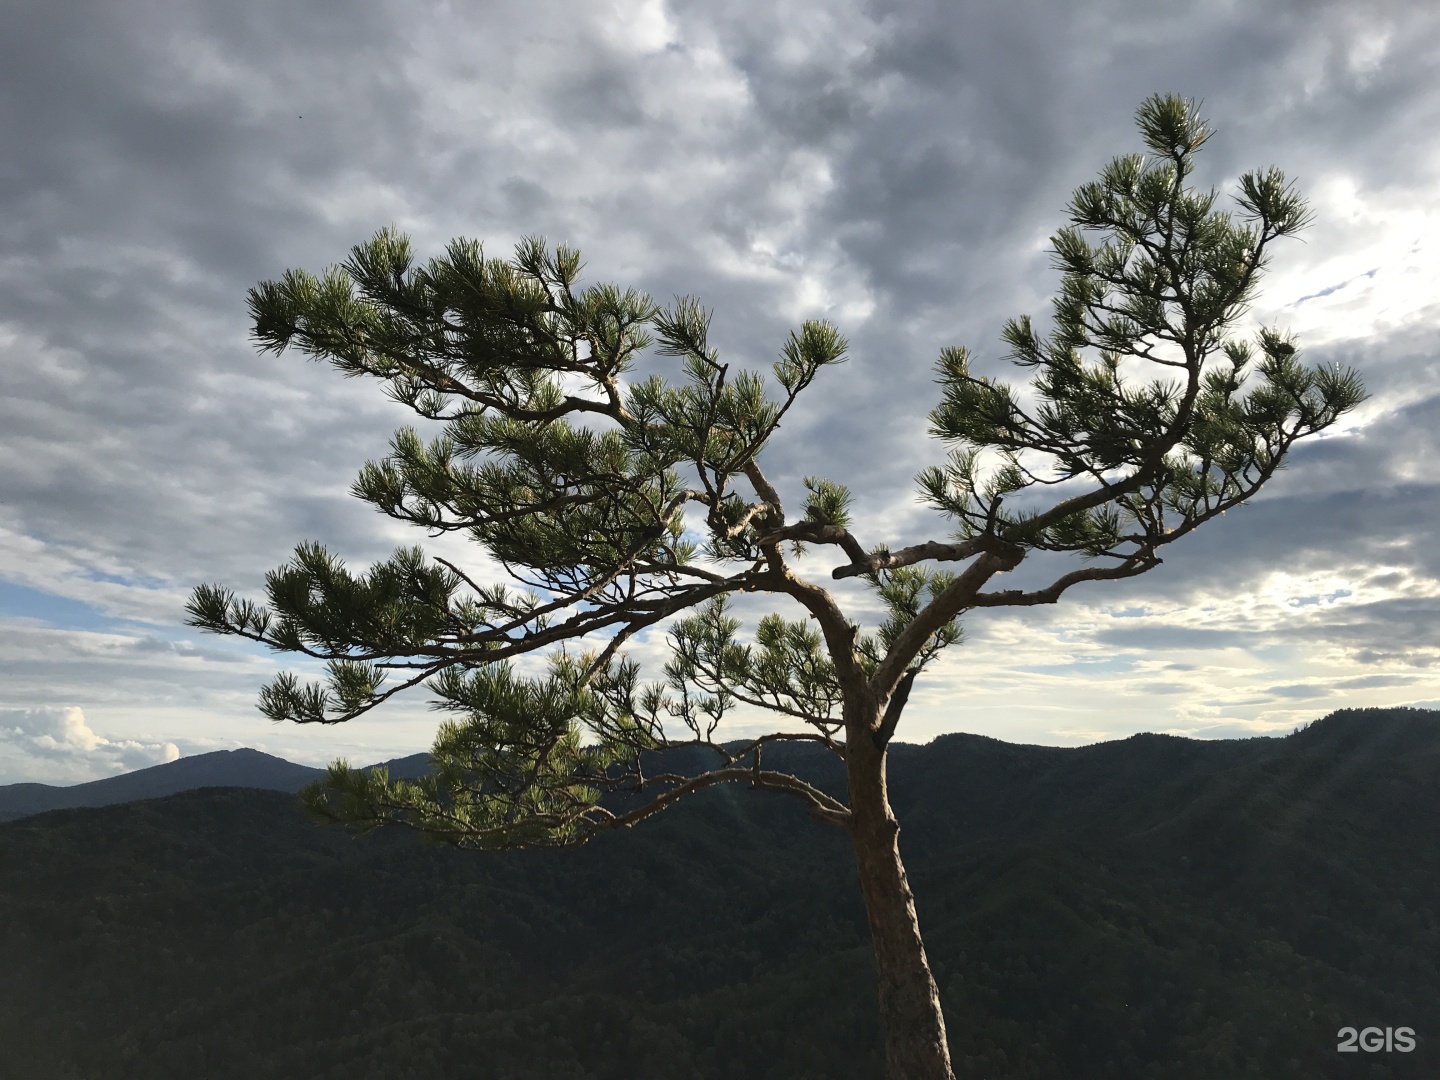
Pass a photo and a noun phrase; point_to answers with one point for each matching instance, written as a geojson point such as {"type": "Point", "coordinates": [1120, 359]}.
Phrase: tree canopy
{"type": "Point", "coordinates": [618, 504]}
{"type": "Point", "coordinates": [588, 488]}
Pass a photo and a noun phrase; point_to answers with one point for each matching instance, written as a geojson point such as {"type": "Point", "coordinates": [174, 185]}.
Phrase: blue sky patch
{"type": "Point", "coordinates": [21, 601]}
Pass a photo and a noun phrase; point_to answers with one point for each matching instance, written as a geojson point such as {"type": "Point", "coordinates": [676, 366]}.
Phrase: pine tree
{"type": "Point", "coordinates": [586, 486]}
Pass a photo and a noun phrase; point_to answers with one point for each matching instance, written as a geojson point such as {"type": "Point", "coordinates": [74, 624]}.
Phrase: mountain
{"type": "Point", "coordinates": [1151, 907]}
{"type": "Point", "coordinates": [242, 768]}
{"type": "Point", "coordinates": [221, 768]}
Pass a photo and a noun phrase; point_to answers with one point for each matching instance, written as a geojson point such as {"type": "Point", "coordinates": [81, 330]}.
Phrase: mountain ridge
{"type": "Point", "coordinates": [243, 768]}
{"type": "Point", "coordinates": [1150, 907]}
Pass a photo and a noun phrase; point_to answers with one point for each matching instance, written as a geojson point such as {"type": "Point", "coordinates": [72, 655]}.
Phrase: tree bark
{"type": "Point", "coordinates": [914, 1027]}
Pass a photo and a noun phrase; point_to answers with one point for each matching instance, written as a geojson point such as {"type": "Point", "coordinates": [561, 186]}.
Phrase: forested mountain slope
{"type": "Point", "coordinates": [1155, 907]}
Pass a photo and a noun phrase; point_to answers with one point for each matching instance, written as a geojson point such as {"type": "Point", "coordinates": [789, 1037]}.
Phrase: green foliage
{"type": "Point", "coordinates": [786, 671]}
{"type": "Point", "coordinates": [622, 502]}
{"type": "Point", "coordinates": [1160, 291]}
{"type": "Point", "coordinates": [588, 519]}
{"type": "Point", "coordinates": [828, 502]}
{"type": "Point", "coordinates": [904, 591]}
{"type": "Point", "coordinates": [524, 767]}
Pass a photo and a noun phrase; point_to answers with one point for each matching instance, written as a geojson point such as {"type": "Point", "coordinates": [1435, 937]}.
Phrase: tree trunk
{"type": "Point", "coordinates": [914, 1027]}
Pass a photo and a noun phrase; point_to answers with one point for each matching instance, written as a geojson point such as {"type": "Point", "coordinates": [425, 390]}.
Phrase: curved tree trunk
{"type": "Point", "coordinates": [914, 1027]}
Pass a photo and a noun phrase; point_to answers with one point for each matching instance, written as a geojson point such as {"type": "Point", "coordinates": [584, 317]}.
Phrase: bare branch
{"type": "Point", "coordinates": [785, 736]}
{"type": "Point", "coordinates": [812, 532]}
{"type": "Point", "coordinates": [869, 563]}
{"type": "Point", "coordinates": [765, 490]}
{"type": "Point", "coordinates": [1051, 593]}
{"type": "Point", "coordinates": [829, 809]}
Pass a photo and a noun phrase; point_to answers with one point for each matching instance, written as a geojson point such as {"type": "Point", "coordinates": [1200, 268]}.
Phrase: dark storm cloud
{"type": "Point", "coordinates": [1159, 639]}
{"type": "Point", "coordinates": [157, 166]}
{"type": "Point", "coordinates": [895, 167]}
{"type": "Point", "coordinates": [986, 119]}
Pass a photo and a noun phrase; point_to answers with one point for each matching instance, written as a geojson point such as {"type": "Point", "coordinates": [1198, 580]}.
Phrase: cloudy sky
{"type": "Point", "coordinates": [896, 168]}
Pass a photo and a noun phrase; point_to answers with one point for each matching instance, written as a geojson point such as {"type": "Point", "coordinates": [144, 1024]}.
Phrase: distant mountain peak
{"type": "Point", "coordinates": [242, 767]}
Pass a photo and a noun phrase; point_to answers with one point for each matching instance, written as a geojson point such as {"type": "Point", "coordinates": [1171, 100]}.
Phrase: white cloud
{"type": "Point", "coordinates": [57, 745]}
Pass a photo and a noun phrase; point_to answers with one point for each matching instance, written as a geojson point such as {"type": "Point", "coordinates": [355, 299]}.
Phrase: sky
{"type": "Point", "coordinates": [894, 168]}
